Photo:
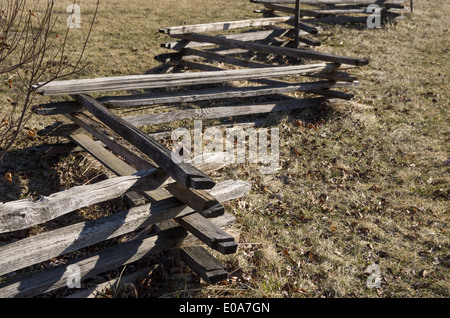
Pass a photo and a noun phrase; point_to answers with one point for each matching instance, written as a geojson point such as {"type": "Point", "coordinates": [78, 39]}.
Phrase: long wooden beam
{"type": "Point", "coordinates": [246, 36]}
{"type": "Point", "coordinates": [190, 96]}
{"type": "Point", "coordinates": [181, 79]}
{"type": "Point", "coordinates": [289, 10]}
{"type": "Point", "coordinates": [91, 265]}
{"type": "Point", "coordinates": [110, 161]}
{"type": "Point", "coordinates": [128, 152]}
{"type": "Point", "coordinates": [209, 234]}
{"type": "Point", "coordinates": [224, 111]}
{"type": "Point", "coordinates": [182, 172]}
{"type": "Point", "coordinates": [204, 264]}
{"type": "Point", "coordinates": [298, 53]}
{"type": "Point", "coordinates": [21, 214]}
{"type": "Point", "coordinates": [36, 249]}
{"type": "Point", "coordinates": [113, 141]}
{"type": "Point", "coordinates": [200, 200]}
{"type": "Point", "coordinates": [219, 26]}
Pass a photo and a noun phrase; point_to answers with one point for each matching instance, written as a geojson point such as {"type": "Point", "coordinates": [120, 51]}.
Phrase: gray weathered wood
{"type": "Point", "coordinates": [113, 141]}
{"type": "Point", "coordinates": [292, 52]}
{"type": "Point", "coordinates": [184, 173]}
{"type": "Point", "coordinates": [36, 249]}
{"type": "Point", "coordinates": [199, 200]}
{"type": "Point", "coordinates": [218, 26]}
{"type": "Point", "coordinates": [224, 111]}
{"type": "Point", "coordinates": [246, 36]}
{"type": "Point", "coordinates": [204, 264]}
{"type": "Point", "coordinates": [276, 84]}
{"type": "Point", "coordinates": [196, 199]}
{"type": "Point", "coordinates": [91, 265]}
{"type": "Point", "coordinates": [111, 162]}
{"type": "Point", "coordinates": [180, 56]}
{"type": "Point", "coordinates": [194, 95]}
{"type": "Point", "coordinates": [195, 78]}
{"type": "Point", "coordinates": [208, 233]}
{"type": "Point", "coordinates": [290, 10]}
{"type": "Point", "coordinates": [21, 214]}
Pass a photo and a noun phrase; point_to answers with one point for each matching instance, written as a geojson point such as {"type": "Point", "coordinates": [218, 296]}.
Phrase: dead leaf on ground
{"type": "Point", "coordinates": [31, 132]}
{"type": "Point", "coordinates": [8, 177]}
{"type": "Point", "coordinates": [364, 230]}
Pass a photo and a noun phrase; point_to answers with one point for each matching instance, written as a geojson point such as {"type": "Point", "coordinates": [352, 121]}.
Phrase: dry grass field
{"type": "Point", "coordinates": [361, 182]}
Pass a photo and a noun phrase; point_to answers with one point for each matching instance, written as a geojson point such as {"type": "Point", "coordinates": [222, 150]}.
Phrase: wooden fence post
{"type": "Point", "coordinates": [297, 23]}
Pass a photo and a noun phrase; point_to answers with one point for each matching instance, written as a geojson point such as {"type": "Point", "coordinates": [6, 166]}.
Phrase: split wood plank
{"type": "Point", "coordinates": [331, 69]}
{"type": "Point", "coordinates": [222, 57]}
{"type": "Point", "coordinates": [36, 249]}
{"type": "Point", "coordinates": [224, 111]}
{"type": "Point", "coordinates": [21, 214]}
{"type": "Point", "coordinates": [110, 161]}
{"type": "Point", "coordinates": [182, 172]}
{"type": "Point", "coordinates": [231, 126]}
{"type": "Point", "coordinates": [336, 76]}
{"type": "Point", "coordinates": [219, 26]}
{"type": "Point", "coordinates": [208, 162]}
{"type": "Point", "coordinates": [91, 265]}
{"type": "Point", "coordinates": [176, 57]}
{"type": "Point", "coordinates": [245, 36]}
{"type": "Point", "coordinates": [196, 78]}
{"type": "Point", "coordinates": [115, 284]}
{"type": "Point", "coordinates": [204, 264]}
{"type": "Point", "coordinates": [291, 52]}
{"type": "Point", "coordinates": [113, 141]}
{"type": "Point", "coordinates": [316, 12]}
{"type": "Point", "coordinates": [290, 10]}
{"type": "Point", "coordinates": [340, 19]}
{"type": "Point", "coordinates": [208, 233]}
{"type": "Point", "coordinates": [70, 107]}
{"type": "Point", "coordinates": [200, 200]}
{"type": "Point", "coordinates": [329, 73]}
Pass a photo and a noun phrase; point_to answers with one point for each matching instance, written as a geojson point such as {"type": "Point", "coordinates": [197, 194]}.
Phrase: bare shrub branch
{"type": "Point", "coordinates": [31, 52]}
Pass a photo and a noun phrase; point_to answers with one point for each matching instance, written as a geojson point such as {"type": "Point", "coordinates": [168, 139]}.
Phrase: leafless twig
{"type": "Point", "coordinates": [29, 52]}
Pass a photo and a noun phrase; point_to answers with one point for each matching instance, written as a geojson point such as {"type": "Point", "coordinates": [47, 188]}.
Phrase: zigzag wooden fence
{"type": "Point", "coordinates": [336, 11]}
{"type": "Point", "coordinates": [260, 55]}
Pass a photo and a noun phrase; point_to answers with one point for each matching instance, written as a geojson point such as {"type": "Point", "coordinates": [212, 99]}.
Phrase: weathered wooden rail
{"type": "Point", "coordinates": [235, 69]}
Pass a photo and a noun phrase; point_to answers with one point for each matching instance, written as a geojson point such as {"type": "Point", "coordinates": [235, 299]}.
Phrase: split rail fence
{"type": "Point", "coordinates": [233, 62]}
{"type": "Point", "coordinates": [336, 11]}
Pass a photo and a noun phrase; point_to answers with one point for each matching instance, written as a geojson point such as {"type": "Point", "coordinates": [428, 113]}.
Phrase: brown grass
{"type": "Point", "coordinates": [368, 184]}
